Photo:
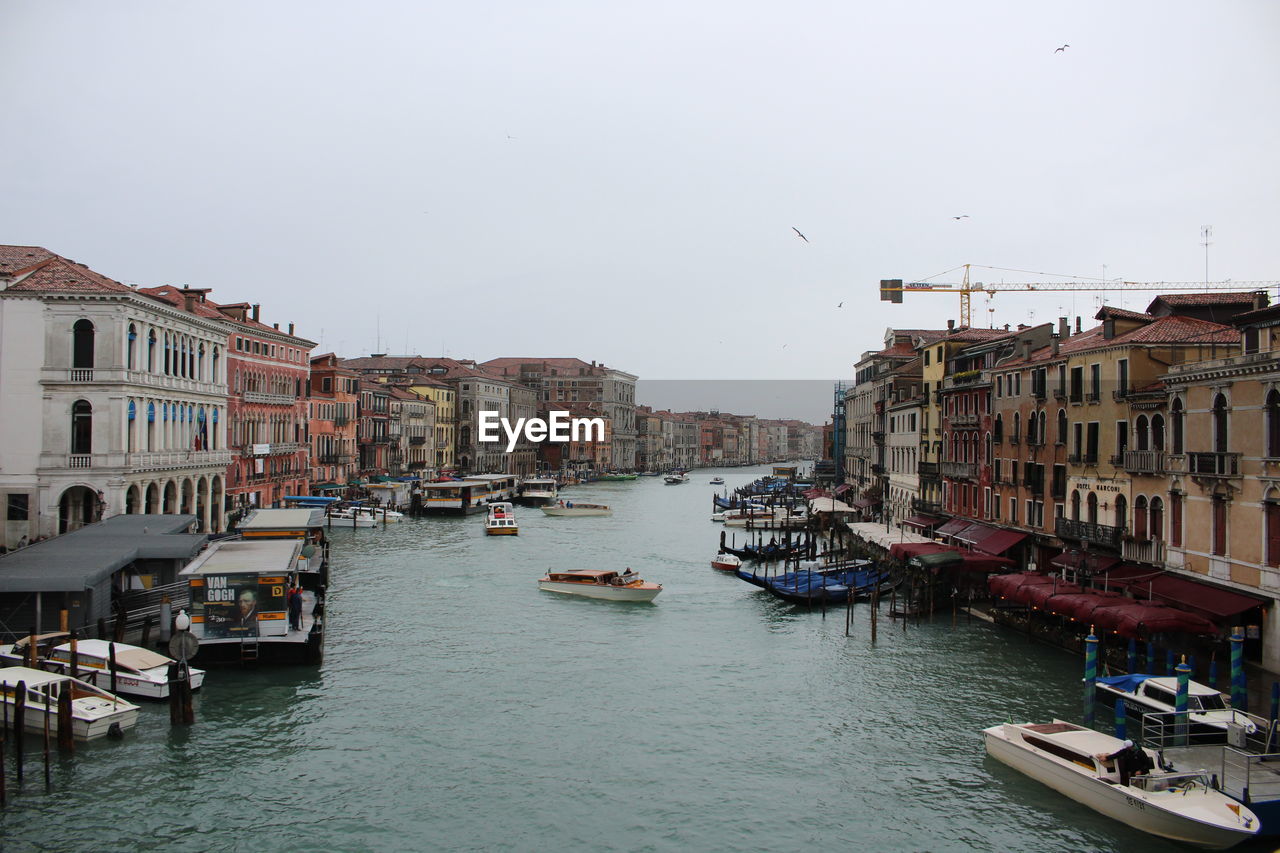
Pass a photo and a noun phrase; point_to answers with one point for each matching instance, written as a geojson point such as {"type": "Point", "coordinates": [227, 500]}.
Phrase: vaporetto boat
{"type": "Point", "coordinates": [501, 520]}
{"type": "Point", "coordinates": [1071, 760]}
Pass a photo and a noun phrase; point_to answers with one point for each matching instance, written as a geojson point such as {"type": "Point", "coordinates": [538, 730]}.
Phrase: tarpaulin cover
{"type": "Point", "coordinates": [999, 541]}
{"type": "Point", "coordinates": [1126, 683]}
{"type": "Point", "coordinates": [1004, 585]}
{"type": "Point", "coordinates": [864, 503]}
{"type": "Point", "coordinates": [922, 521]}
{"type": "Point", "coordinates": [953, 526]}
{"type": "Point", "coordinates": [842, 488]}
{"type": "Point", "coordinates": [1093, 562]}
{"type": "Point", "coordinates": [907, 550]}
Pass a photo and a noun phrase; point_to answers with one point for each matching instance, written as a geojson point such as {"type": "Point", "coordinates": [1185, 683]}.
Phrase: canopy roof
{"type": "Point", "coordinates": [829, 505]}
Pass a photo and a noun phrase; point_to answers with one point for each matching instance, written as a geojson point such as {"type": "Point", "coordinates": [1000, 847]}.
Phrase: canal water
{"type": "Point", "coordinates": [460, 708]}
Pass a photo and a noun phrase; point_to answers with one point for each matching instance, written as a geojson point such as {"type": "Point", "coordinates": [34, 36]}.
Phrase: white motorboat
{"type": "Point", "coordinates": [577, 508]}
{"type": "Point", "coordinates": [717, 516]}
{"type": "Point", "coordinates": [1208, 711]}
{"type": "Point", "coordinates": [717, 481]}
{"type": "Point", "coordinates": [501, 520]}
{"type": "Point", "coordinates": [1072, 760]}
{"type": "Point", "coordinates": [538, 492]}
{"type": "Point", "coordinates": [675, 479]}
{"type": "Point", "coordinates": [139, 671]}
{"type": "Point", "coordinates": [726, 562]}
{"type": "Point", "coordinates": [599, 583]}
{"type": "Point", "coordinates": [366, 516]}
{"type": "Point", "coordinates": [94, 711]}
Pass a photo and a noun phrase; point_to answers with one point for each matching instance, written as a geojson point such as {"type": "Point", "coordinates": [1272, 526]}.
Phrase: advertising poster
{"type": "Point", "coordinates": [231, 604]}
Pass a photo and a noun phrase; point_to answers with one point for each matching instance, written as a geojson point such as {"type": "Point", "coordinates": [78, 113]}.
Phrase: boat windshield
{"type": "Point", "coordinates": [1171, 781]}
{"type": "Point", "coordinates": [1207, 702]}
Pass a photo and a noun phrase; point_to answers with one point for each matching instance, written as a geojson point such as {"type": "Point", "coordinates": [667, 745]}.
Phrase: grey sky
{"type": "Point", "coordinates": [620, 181]}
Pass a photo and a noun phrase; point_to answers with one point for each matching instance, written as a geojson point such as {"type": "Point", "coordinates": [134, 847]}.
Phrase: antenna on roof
{"type": "Point", "coordinates": [1206, 231]}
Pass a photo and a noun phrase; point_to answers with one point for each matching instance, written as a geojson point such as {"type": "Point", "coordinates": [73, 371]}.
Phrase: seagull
{"type": "Point", "coordinates": [841, 305]}
{"type": "Point", "coordinates": [961, 216]}
{"type": "Point", "coordinates": [1061, 49]}
{"type": "Point", "coordinates": [797, 230]}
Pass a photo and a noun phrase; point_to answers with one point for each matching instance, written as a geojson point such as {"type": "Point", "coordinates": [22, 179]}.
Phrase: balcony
{"type": "Point", "coordinates": [960, 470]}
{"type": "Point", "coordinates": [335, 458]}
{"type": "Point", "coordinates": [964, 420]}
{"type": "Point", "coordinates": [159, 460]}
{"type": "Point", "coordinates": [1060, 393]}
{"type": "Point", "coordinates": [341, 420]}
{"type": "Point", "coordinates": [928, 470]}
{"type": "Point", "coordinates": [441, 444]}
{"type": "Point", "coordinates": [272, 449]}
{"type": "Point", "coordinates": [877, 437]}
{"type": "Point", "coordinates": [925, 507]}
{"type": "Point", "coordinates": [417, 440]}
{"type": "Point", "coordinates": [1083, 531]}
{"type": "Point", "coordinates": [1150, 551]}
{"type": "Point", "coordinates": [1213, 464]}
{"type": "Point", "coordinates": [1144, 462]}
{"type": "Point", "coordinates": [1038, 392]}
{"type": "Point", "coordinates": [269, 399]}
{"type": "Point", "coordinates": [1093, 397]}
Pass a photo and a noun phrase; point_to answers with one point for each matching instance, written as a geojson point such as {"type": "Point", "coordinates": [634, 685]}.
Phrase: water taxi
{"type": "Point", "coordinates": [501, 520]}
{"type": "Point", "coordinates": [537, 492]}
{"type": "Point", "coordinates": [599, 583]}
{"type": "Point", "coordinates": [675, 479]}
{"type": "Point", "coordinates": [726, 562]}
{"type": "Point", "coordinates": [577, 508]}
{"type": "Point", "coordinates": [94, 711]}
{"type": "Point", "coordinates": [1074, 761]}
{"type": "Point", "coordinates": [1209, 712]}
{"type": "Point", "coordinates": [139, 671]}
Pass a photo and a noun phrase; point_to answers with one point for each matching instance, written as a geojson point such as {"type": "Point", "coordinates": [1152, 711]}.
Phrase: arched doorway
{"type": "Point", "coordinates": [131, 498]}
{"type": "Point", "coordinates": [153, 499]}
{"type": "Point", "coordinates": [170, 498]}
{"type": "Point", "coordinates": [76, 508]}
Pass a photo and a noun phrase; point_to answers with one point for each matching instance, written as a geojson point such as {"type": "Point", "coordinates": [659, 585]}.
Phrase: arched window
{"type": "Point", "coordinates": [82, 344]}
{"type": "Point", "coordinates": [1157, 432]}
{"type": "Point", "coordinates": [1141, 433]}
{"type": "Point", "coordinates": [1271, 527]}
{"type": "Point", "coordinates": [213, 377]}
{"type": "Point", "coordinates": [1041, 423]}
{"type": "Point", "coordinates": [81, 427]}
{"type": "Point", "coordinates": [1140, 518]}
{"type": "Point", "coordinates": [1075, 504]}
{"type": "Point", "coordinates": [1176, 416]}
{"type": "Point", "coordinates": [167, 355]}
{"type": "Point", "coordinates": [1015, 432]}
{"type": "Point", "coordinates": [200, 363]}
{"type": "Point", "coordinates": [1031, 428]}
{"type": "Point", "coordinates": [1062, 426]}
{"type": "Point", "coordinates": [133, 346]}
{"type": "Point", "coordinates": [151, 351]}
{"type": "Point", "coordinates": [1273, 423]}
{"type": "Point", "coordinates": [999, 428]}
{"type": "Point", "coordinates": [1092, 503]}
{"type": "Point", "coordinates": [1220, 424]}
{"type": "Point", "coordinates": [1157, 519]}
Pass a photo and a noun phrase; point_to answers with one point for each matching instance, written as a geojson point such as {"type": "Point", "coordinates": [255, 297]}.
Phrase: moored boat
{"type": "Point", "coordinates": [94, 712]}
{"type": "Point", "coordinates": [726, 562]}
{"type": "Point", "coordinates": [537, 491]}
{"type": "Point", "coordinates": [501, 520]}
{"type": "Point", "coordinates": [1208, 711]}
{"type": "Point", "coordinates": [1076, 762]}
{"type": "Point", "coordinates": [600, 583]}
{"type": "Point", "coordinates": [577, 508]}
{"type": "Point", "coordinates": [139, 671]}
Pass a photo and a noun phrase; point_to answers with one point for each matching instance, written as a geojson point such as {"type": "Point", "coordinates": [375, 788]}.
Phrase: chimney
{"type": "Point", "coordinates": [1259, 300]}
{"type": "Point", "coordinates": [255, 312]}
{"type": "Point", "coordinates": [1077, 323]}
{"type": "Point", "coordinates": [1053, 344]}
{"type": "Point", "coordinates": [951, 326]}
{"type": "Point", "coordinates": [189, 300]}
{"type": "Point", "coordinates": [291, 328]}
{"type": "Point", "coordinates": [1064, 327]}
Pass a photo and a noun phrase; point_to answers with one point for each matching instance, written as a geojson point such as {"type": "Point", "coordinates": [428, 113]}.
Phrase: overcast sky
{"type": "Point", "coordinates": [620, 182]}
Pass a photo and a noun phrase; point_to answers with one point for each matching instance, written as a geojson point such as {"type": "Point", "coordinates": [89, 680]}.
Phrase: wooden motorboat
{"type": "Point", "coordinates": [94, 712]}
{"type": "Point", "coordinates": [726, 562]}
{"type": "Point", "coordinates": [139, 671]}
{"type": "Point", "coordinates": [577, 508]}
{"type": "Point", "coordinates": [675, 479]}
{"type": "Point", "coordinates": [1073, 761]}
{"type": "Point", "coordinates": [600, 583]}
{"type": "Point", "coordinates": [501, 520]}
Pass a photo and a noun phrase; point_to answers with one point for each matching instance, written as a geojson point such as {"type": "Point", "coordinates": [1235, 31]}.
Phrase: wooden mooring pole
{"type": "Point", "coordinates": [19, 723]}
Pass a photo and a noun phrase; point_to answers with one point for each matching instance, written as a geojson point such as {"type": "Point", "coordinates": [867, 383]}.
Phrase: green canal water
{"type": "Point", "coordinates": [460, 708]}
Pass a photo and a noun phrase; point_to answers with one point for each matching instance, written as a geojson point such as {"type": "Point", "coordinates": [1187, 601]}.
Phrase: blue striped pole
{"type": "Point", "coordinates": [1239, 690]}
{"type": "Point", "coordinates": [1180, 703]}
{"type": "Point", "coordinates": [1090, 676]}
{"type": "Point", "coordinates": [1121, 723]}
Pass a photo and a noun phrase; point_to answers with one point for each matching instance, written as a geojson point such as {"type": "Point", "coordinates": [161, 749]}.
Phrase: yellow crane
{"type": "Point", "coordinates": [891, 290]}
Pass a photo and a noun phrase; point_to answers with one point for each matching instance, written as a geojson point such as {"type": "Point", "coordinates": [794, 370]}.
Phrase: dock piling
{"type": "Point", "coordinates": [1090, 676]}
{"type": "Point", "coordinates": [1239, 687]}
{"type": "Point", "coordinates": [19, 723]}
{"type": "Point", "coordinates": [1180, 703]}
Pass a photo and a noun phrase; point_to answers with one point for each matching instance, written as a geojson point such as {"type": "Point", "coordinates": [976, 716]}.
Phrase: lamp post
{"type": "Point", "coordinates": [182, 645]}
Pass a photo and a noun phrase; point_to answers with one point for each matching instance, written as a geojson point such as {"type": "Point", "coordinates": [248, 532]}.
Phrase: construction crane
{"type": "Point", "coordinates": [891, 290]}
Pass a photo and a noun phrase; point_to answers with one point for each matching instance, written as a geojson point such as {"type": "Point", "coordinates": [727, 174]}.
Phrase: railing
{"type": "Point", "coordinates": [1144, 461]}
{"type": "Point", "coordinates": [1213, 464]}
{"type": "Point", "coordinates": [927, 469]}
{"type": "Point", "coordinates": [417, 439]}
{"type": "Point", "coordinates": [158, 460]}
{"type": "Point", "coordinates": [341, 420]}
{"type": "Point", "coordinates": [877, 437]}
{"type": "Point", "coordinates": [1038, 392]}
{"type": "Point", "coordinates": [334, 458]}
{"type": "Point", "coordinates": [1143, 551]}
{"type": "Point", "coordinates": [441, 444]}
{"type": "Point", "coordinates": [1060, 392]}
{"type": "Point", "coordinates": [1093, 396]}
{"type": "Point", "coordinates": [79, 460]}
{"type": "Point", "coordinates": [964, 420]}
{"type": "Point", "coordinates": [1074, 459]}
{"type": "Point", "coordinates": [80, 374]}
{"type": "Point", "coordinates": [960, 470]}
{"type": "Point", "coordinates": [1169, 728]}
{"type": "Point", "coordinates": [926, 507]}
{"type": "Point", "coordinates": [272, 399]}
{"type": "Point", "coordinates": [1084, 531]}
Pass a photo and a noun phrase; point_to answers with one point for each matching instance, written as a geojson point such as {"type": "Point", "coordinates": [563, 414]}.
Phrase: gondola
{"type": "Point", "coordinates": [767, 553]}
{"type": "Point", "coordinates": [812, 588]}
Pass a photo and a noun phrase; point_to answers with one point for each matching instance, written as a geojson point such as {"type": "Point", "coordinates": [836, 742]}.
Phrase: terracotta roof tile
{"type": "Point", "coordinates": [1108, 311]}
{"type": "Point", "coordinates": [59, 275]}
{"type": "Point", "coordinates": [1203, 299]}
{"type": "Point", "coordinates": [14, 258]}
{"type": "Point", "coordinates": [1180, 330]}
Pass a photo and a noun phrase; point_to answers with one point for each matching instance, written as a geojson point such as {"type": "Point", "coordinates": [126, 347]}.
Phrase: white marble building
{"type": "Point", "coordinates": [114, 402]}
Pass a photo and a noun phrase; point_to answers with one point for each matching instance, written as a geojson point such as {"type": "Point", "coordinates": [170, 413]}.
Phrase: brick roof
{"type": "Point", "coordinates": [1165, 330]}
{"type": "Point", "coordinates": [206, 307]}
{"type": "Point", "coordinates": [56, 274]}
{"type": "Point", "coordinates": [1110, 312]}
{"type": "Point", "coordinates": [978, 335]}
{"type": "Point", "coordinates": [14, 258]}
{"type": "Point", "coordinates": [1203, 299]}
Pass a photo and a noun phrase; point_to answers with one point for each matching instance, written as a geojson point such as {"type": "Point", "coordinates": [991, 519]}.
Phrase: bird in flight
{"type": "Point", "coordinates": [797, 230]}
{"type": "Point", "coordinates": [841, 305]}
{"type": "Point", "coordinates": [1061, 49]}
{"type": "Point", "coordinates": [961, 216]}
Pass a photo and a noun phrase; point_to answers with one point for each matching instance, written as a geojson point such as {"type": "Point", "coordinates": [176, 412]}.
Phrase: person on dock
{"type": "Point", "coordinates": [295, 609]}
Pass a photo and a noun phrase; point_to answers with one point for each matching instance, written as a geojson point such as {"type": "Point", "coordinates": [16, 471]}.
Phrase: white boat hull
{"type": "Point", "coordinates": [573, 510]}
{"type": "Point", "coordinates": [1120, 803]}
{"type": "Point", "coordinates": [602, 591]}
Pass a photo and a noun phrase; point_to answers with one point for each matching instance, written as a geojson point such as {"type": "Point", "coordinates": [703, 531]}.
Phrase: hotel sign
{"type": "Point", "coordinates": [1093, 484]}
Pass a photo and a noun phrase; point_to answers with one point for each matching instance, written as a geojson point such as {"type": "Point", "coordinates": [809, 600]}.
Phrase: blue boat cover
{"type": "Point", "coordinates": [1125, 683]}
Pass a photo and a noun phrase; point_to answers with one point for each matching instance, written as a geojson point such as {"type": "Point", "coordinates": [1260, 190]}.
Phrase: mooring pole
{"type": "Point", "coordinates": [1090, 676]}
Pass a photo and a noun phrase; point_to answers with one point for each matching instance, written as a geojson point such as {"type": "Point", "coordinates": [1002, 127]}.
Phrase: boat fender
{"type": "Point", "coordinates": [114, 731]}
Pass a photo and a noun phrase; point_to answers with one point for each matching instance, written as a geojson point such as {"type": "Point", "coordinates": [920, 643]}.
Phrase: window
{"type": "Point", "coordinates": [1062, 426]}
{"type": "Point", "coordinates": [1219, 546]}
{"type": "Point", "coordinates": [82, 344]}
{"type": "Point", "coordinates": [81, 428]}
{"type": "Point", "coordinates": [926, 358]}
{"type": "Point", "coordinates": [999, 429]}
{"type": "Point", "coordinates": [1220, 424]}
{"type": "Point", "coordinates": [1091, 452]}
{"type": "Point", "coordinates": [1140, 518]}
{"type": "Point", "coordinates": [1095, 381]}
{"type": "Point", "coordinates": [1271, 511]}
{"type": "Point", "coordinates": [19, 508]}
{"type": "Point", "coordinates": [1250, 340]}
{"type": "Point", "coordinates": [133, 345]}
{"type": "Point", "coordinates": [1075, 504]}
{"type": "Point", "coordinates": [1175, 519]}
{"type": "Point", "coordinates": [1176, 415]}
{"type": "Point", "coordinates": [1157, 519]}
{"type": "Point", "coordinates": [151, 351]}
{"type": "Point", "coordinates": [1272, 407]}
{"type": "Point", "coordinates": [999, 386]}
{"type": "Point", "coordinates": [1013, 510]}
{"type": "Point", "coordinates": [1157, 432]}
{"type": "Point", "coordinates": [1122, 376]}
{"type": "Point", "coordinates": [1092, 504]}
{"type": "Point", "coordinates": [1077, 384]}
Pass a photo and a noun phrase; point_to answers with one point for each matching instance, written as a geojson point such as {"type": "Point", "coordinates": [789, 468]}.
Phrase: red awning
{"type": "Point", "coordinates": [1005, 585]}
{"type": "Point", "coordinates": [864, 503]}
{"type": "Point", "coordinates": [1141, 619]}
{"type": "Point", "coordinates": [922, 521]}
{"type": "Point", "coordinates": [1093, 562]}
{"type": "Point", "coordinates": [999, 541]}
{"type": "Point", "coordinates": [1043, 594]}
{"type": "Point", "coordinates": [953, 526]}
{"type": "Point", "coordinates": [984, 563]}
{"type": "Point", "coordinates": [973, 533]}
{"type": "Point", "coordinates": [842, 488]}
{"type": "Point", "coordinates": [1083, 605]}
{"type": "Point", "coordinates": [907, 550]}
{"type": "Point", "coordinates": [1213, 601]}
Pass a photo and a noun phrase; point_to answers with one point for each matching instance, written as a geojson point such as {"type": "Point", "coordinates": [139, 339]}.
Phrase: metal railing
{"type": "Point", "coordinates": [1213, 464]}
{"type": "Point", "coordinates": [1085, 531]}
{"type": "Point", "coordinates": [959, 470]}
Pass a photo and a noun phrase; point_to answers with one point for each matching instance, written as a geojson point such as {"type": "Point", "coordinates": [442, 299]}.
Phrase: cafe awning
{"type": "Point", "coordinates": [999, 541]}
{"type": "Point", "coordinates": [1181, 591]}
{"type": "Point", "coordinates": [973, 533]}
{"type": "Point", "coordinates": [923, 522]}
{"type": "Point", "coordinates": [953, 527]}
{"type": "Point", "coordinates": [1095, 563]}
{"type": "Point", "coordinates": [865, 503]}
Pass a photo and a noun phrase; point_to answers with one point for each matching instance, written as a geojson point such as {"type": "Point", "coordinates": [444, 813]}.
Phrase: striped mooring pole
{"type": "Point", "coordinates": [1090, 676]}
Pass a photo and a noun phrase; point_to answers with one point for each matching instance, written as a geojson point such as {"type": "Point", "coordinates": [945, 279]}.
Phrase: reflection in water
{"type": "Point", "coordinates": [461, 708]}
